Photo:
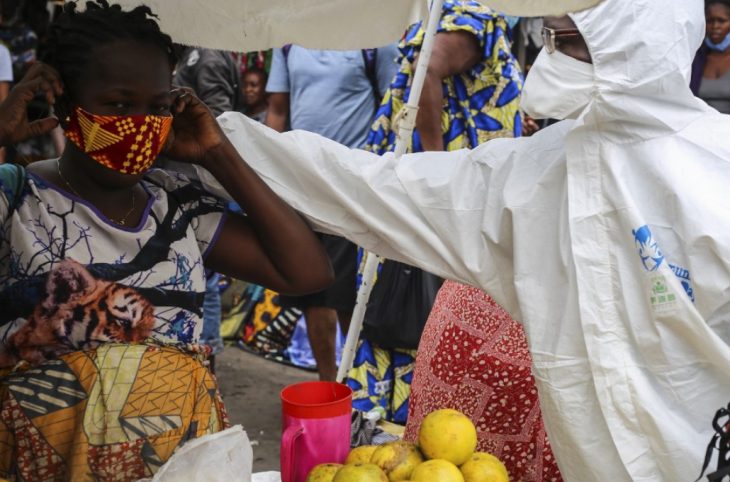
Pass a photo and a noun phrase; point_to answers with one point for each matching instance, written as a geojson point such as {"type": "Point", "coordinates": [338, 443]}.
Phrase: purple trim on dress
{"type": "Point", "coordinates": [218, 229]}
{"type": "Point", "coordinates": [151, 198]}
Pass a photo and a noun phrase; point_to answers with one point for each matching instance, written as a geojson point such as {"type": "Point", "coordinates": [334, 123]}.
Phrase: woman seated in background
{"type": "Point", "coordinates": [711, 69]}
{"type": "Point", "coordinates": [102, 260]}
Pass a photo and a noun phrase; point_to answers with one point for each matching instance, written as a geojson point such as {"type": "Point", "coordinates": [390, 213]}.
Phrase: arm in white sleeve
{"type": "Point", "coordinates": [444, 212]}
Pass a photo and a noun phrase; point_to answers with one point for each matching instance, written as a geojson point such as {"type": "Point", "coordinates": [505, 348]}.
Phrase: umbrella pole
{"type": "Point", "coordinates": [405, 126]}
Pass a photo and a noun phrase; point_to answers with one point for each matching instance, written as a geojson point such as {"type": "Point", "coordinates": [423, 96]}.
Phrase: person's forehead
{"type": "Point", "coordinates": [128, 63]}
{"type": "Point", "coordinates": [718, 9]}
{"type": "Point", "coordinates": [254, 75]}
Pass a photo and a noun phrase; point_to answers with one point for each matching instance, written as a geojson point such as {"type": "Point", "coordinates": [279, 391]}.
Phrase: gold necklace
{"type": "Point", "coordinates": [122, 222]}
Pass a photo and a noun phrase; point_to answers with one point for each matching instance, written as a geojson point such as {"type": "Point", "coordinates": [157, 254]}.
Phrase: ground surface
{"type": "Point", "coordinates": [250, 387]}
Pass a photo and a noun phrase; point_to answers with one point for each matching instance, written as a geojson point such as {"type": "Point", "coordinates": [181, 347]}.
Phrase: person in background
{"type": "Point", "coordinates": [253, 93]}
{"type": "Point", "coordinates": [213, 76]}
{"type": "Point", "coordinates": [471, 56]}
{"type": "Point", "coordinates": [711, 68]}
{"type": "Point", "coordinates": [18, 36]}
{"type": "Point", "coordinates": [334, 94]}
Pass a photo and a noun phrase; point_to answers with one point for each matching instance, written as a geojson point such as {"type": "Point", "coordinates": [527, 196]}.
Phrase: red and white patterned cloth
{"type": "Point", "coordinates": [474, 358]}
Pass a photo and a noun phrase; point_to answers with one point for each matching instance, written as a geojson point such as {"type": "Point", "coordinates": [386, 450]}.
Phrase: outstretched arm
{"type": "Point", "coordinates": [271, 245]}
{"type": "Point", "coordinates": [444, 212]}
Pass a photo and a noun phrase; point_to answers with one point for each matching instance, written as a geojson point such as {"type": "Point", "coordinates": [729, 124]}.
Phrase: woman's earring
{"type": "Point", "coordinates": [68, 118]}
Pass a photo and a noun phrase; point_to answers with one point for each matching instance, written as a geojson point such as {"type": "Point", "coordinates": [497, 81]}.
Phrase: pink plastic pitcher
{"type": "Point", "coordinates": [315, 427]}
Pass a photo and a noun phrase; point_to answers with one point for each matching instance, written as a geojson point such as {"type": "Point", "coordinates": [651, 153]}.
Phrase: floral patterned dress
{"type": "Point", "coordinates": [473, 357]}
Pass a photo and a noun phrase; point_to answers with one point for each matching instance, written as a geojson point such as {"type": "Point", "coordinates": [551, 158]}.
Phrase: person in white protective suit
{"type": "Point", "coordinates": [607, 235]}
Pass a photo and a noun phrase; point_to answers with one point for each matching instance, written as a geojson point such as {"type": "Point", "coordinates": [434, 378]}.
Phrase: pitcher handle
{"type": "Point", "coordinates": [288, 439]}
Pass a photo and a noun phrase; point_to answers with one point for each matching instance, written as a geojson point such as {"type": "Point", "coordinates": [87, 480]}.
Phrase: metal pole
{"type": "Point", "coordinates": [405, 125]}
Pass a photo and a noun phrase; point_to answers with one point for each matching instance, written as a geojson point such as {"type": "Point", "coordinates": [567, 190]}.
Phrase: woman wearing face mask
{"type": "Point", "coordinates": [711, 69]}
{"type": "Point", "coordinates": [102, 260]}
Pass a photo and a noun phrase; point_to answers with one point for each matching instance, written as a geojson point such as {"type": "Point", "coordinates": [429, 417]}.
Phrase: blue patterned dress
{"type": "Point", "coordinates": [478, 105]}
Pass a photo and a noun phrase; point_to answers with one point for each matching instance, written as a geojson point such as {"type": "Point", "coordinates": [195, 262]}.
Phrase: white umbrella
{"type": "Point", "coordinates": [246, 25]}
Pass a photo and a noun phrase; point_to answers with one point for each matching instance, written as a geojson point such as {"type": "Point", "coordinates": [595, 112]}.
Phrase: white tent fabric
{"type": "Point", "coordinates": [246, 25]}
{"type": "Point", "coordinates": [607, 236]}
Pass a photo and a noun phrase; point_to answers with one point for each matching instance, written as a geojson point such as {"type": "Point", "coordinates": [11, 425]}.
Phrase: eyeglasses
{"type": "Point", "coordinates": [551, 35]}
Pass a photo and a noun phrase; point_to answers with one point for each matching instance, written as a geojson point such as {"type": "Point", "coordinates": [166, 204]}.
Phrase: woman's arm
{"type": "Point", "coordinates": [453, 53]}
{"type": "Point", "coordinates": [271, 245]}
{"type": "Point", "coordinates": [444, 212]}
{"type": "Point", "coordinates": [278, 111]}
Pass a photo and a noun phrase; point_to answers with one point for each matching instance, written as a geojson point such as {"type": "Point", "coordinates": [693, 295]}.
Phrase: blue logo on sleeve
{"type": "Point", "coordinates": [652, 257]}
{"type": "Point", "coordinates": [685, 279]}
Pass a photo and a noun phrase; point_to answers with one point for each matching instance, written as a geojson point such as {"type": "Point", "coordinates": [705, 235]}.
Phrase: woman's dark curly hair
{"type": "Point", "coordinates": [74, 35]}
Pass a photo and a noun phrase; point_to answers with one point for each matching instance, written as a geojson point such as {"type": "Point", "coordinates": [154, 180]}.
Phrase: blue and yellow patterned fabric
{"type": "Point", "coordinates": [480, 104]}
{"type": "Point", "coordinates": [382, 378]}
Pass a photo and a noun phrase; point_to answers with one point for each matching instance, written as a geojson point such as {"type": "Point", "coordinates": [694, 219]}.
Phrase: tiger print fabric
{"type": "Point", "coordinates": [99, 330]}
{"type": "Point", "coordinates": [70, 279]}
{"type": "Point", "coordinates": [115, 413]}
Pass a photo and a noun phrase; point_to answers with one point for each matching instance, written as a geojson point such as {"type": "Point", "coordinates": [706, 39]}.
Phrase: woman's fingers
{"type": "Point", "coordinates": [182, 98]}
{"type": "Point", "coordinates": [42, 126]}
{"type": "Point", "coordinates": [50, 82]}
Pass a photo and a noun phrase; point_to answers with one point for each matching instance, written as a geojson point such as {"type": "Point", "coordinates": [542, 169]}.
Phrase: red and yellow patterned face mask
{"type": "Point", "coordinates": [125, 143]}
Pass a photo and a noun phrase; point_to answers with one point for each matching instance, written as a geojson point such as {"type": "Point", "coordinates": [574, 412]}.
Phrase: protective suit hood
{"type": "Point", "coordinates": [642, 60]}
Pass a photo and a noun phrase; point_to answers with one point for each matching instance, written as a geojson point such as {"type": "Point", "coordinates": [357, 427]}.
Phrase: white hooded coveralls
{"type": "Point", "coordinates": [609, 237]}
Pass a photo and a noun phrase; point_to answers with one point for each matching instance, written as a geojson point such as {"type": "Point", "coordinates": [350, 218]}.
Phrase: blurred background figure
{"type": "Point", "coordinates": [23, 31]}
{"type": "Point", "coordinates": [212, 74]}
{"type": "Point", "coordinates": [334, 94]}
{"type": "Point", "coordinates": [253, 93]}
{"type": "Point", "coordinates": [711, 69]}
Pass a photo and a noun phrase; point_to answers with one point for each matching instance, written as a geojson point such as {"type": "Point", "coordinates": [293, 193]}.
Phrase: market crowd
{"type": "Point", "coordinates": [118, 264]}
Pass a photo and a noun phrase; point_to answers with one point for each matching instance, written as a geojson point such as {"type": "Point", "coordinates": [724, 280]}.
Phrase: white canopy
{"type": "Point", "coordinates": [246, 25]}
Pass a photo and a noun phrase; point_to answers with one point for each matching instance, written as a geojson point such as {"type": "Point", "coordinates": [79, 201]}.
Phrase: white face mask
{"type": "Point", "coordinates": [557, 87]}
